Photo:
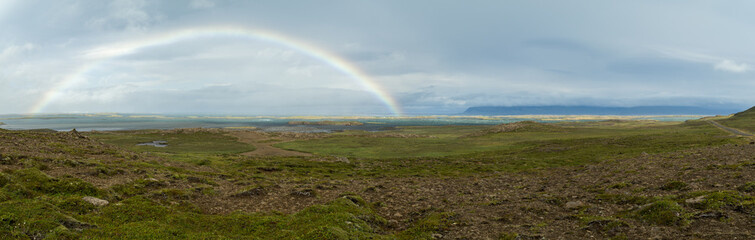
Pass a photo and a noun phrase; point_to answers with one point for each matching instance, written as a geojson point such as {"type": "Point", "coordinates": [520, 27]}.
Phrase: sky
{"type": "Point", "coordinates": [353, 57]}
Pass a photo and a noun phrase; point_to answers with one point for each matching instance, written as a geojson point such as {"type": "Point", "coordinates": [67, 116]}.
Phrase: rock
{"type": "Point", "coordinates": [76, 225]}
{"type": "Point", "coordinates": [713, 215]}
{"type": "Point", "coordinates": [398, 215]}
{"type": "Point", "coordinates": [95, 201]}
{"type": "Point", "coordinates": [152, 182]}
{"type": "Point", "coordinates": [574, 204]}
{"type": "Point", "coordinates": [343, 159]}
{"type": "Point", "coordinates": [437, 236]}
{"type": "Point", "coordinates": [304, 193]}
{"type": "Point", "coordinates": [76, 134]}
{"type": "Point", "coordinates": [392, 223]}
{"type": "Point", "coordinates": [694, 201]}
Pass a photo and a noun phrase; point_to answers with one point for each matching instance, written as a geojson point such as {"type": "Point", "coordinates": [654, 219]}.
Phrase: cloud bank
{"type": "Point", "coordinates": [431, 57]}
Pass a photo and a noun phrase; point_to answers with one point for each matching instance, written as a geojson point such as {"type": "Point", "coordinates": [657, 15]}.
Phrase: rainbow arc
{"type": "Point", "coordinates": [101, 54]}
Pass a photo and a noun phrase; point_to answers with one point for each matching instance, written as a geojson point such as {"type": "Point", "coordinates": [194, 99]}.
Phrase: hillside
{"type": "Point", "coordinates": [746, 114]}
{"type": "Point", "coordinates": [593, 110]}
{"type": "Point", "coordinates": [744, 120]}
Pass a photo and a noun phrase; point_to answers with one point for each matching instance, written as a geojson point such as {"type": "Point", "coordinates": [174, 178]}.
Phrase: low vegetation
{"type": "Point", "coordinates": [576, 180]}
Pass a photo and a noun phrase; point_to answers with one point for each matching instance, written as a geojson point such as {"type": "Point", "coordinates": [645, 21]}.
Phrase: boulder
{"type": "Point", "coordinates": [95, 201]}
{"type": "Point", "coordinates": [574, 205]}
{"type": "Point", "coordinates": [76, 225]}
{"type": "Point", "coordinates": [696, 200]}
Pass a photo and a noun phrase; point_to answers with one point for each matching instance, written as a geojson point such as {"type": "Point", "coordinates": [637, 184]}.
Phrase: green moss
{"type": "Point", "coordinates": [662, 212]}
{"type": "Point", "coordinates": [508, 236]}
{"type": "Point", "coordinates": [136, 187]}
{"type": "Point", "coordinates": [747, 207]}
{"type": "Point", "coordinates": [424, 229]}
{"type": "Point", "coordinates": [326, 233]}
{"type": "Point", "coordinates": [136, 209]}
{"type": "Point", "coordinates": [674, 185]}
{"type": "Point", "coordinates": [609, 226]}
{"type": "Point", "coordinates": [73, 204]}
{"type": "Point", "coordinates": [721, 199]}
{"type": "Point", "coordinates": [35, 180]}
{"type": "Point", "coordinates": [7, 234]}
{"type": "Point", "coordinates": [62, 233]}
{"type": "Point", "coordinates": [171, 194]}
{"type": "Point", "coordinates": [16, 191]}
{"type": "Point", "coordinates": [347, 217]}
{"type": "Point", "coordinates": [619, 185]}
{"type": "Point", "coordinates": [30, 217]}
{"type": "Point", "coordinates": [4, 179]}
{"type": "Point", "coordinates": [748, 187]}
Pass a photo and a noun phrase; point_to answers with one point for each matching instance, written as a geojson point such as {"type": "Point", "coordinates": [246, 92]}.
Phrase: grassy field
{"type": "Point", "coordinates": [612, 179]}
{"type": "Point", "coordinates": [566, 139]}
{"type": "Point", "coordinates": [179, 141]}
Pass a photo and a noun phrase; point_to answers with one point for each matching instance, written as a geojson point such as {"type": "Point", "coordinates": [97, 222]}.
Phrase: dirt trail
{"type": "Point", "coordinates": [731, 130]}
{"type": "Point", "coordinates": [263, 144]}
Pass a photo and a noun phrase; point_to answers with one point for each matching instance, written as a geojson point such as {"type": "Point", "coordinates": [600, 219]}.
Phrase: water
{"type": "Point", "coordinates": [103, 122]}
{"type": "Point", "coordinates": [158, 143]}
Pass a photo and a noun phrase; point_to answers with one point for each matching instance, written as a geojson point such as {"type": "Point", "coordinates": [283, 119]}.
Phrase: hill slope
{"type": "Point", "coordinates": [744, 120]}
{"type": "Point", "coordinates": [593, 110]}
{"type": "Point", "coordinates": [747, 114]}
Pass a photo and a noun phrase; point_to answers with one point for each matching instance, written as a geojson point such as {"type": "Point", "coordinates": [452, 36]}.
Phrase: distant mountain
{"type": "Point", "coordinates": [593, 110]}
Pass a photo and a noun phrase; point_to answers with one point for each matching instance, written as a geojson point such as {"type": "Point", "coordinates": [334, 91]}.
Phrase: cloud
{"type": "Point", "coordinates": [489, 53]}
{"type": "Point", "coordinates": [5, 6]}
{"type": "Point", "coordinates": [718, 63]}
{"type": "Point", "coordinates": [201, 4]}
{"type": "Point", "coordinates": [15, 50]}
{"type": "Point", "coordinates": [731, 66]}
{"type": "Point", "coordinates": [127, 15]}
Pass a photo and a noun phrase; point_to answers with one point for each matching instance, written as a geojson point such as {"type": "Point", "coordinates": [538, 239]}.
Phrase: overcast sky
{"type": "Point", "coordinates": [430, 56]}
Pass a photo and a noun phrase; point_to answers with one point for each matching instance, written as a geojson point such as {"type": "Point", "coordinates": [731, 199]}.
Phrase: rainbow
{"type": "Point", "coordinates": [101, 54]}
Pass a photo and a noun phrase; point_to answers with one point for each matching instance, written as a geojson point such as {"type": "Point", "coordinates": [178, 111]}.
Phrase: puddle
{"type": "Point", "coordinates": [154, 144]}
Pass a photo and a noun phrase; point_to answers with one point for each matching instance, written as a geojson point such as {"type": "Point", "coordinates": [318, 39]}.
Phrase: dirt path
{"type": "Point", "coordinates": [264, 144]}
{"type": "Point", "coordinates": [728, 129]}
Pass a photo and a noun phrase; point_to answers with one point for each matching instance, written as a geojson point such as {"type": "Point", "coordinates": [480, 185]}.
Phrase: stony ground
{"type": "Point", "coordinates": [702, 193]}
{"type": "Point", "coordinates": [565, 203]}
